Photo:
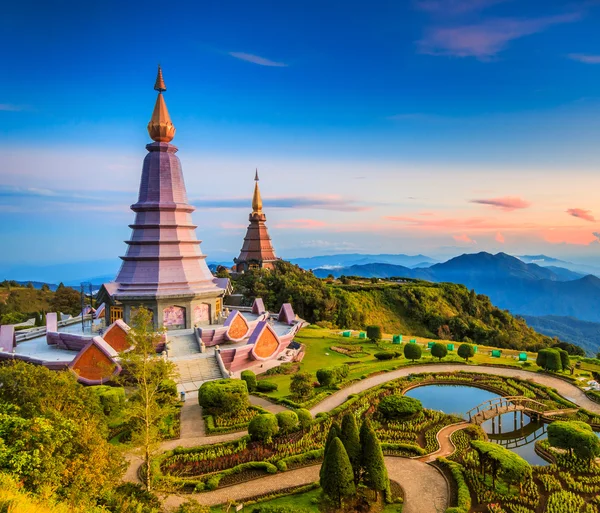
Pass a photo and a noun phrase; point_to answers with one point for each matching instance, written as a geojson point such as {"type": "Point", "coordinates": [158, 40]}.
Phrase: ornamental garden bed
{"type": "Point", "coordinates": [221, 424]}
{"type": "Point", "coordinates": [206, 467]}
{"type": "Point", "coordinates": [569, 485]}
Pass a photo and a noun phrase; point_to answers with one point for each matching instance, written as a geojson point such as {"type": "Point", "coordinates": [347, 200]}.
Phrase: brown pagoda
{"type": "Point", "coordinates": [257, 251]}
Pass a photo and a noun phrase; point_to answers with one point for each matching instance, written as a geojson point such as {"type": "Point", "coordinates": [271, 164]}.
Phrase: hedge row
{"type": "Point", "coordinates": [309, 457]}
{"type": "Point", "coordinates": [463, 494]}
{"type": "Point", "coordinates": [406, 448]}
{"type": "Point", "coordinates": [212, 482]}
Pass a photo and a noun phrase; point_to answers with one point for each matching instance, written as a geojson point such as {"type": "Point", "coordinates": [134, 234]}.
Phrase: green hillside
{"type": "Point", "coordinates": [438, 310]}
{"type": "Point", "coordinates": [21, 302]}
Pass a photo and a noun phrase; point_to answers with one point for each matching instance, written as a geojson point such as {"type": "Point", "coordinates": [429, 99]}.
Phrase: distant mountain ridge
{"type": "Point", "coordinates": [583, 333]}
{"type": "Point", "coordinates": [350, 259]}
{"type": "Point", "coordinates": [523, 288]}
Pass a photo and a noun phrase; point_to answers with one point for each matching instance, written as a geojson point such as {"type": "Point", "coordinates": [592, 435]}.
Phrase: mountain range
{"type": "Point", "coordinates": [523, 288]}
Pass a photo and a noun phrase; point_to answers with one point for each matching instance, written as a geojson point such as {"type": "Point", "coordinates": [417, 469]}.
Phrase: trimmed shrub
{"type": "Point", "coordinates": [564, 358]}
{"type": "Point", "coordinates": [287, 422]}
{"type": "Point", "coordinates": [266, 386]}
{"type": "Point", "coordinates": [374, 333]}
{"type": "Point", "coordinates": [399, 407]}
{"type": "Point", "coordinates": [301, 385]}
{"type": "Point", "coordinates": [263, 427]}
{"type": "Point", "coordinates": [549, 359]}
{"type": "Point", "coordinates": [439, 351]}
{"type": "Point", "coordinates": [331, 375]}
{"type": "Point", "coordinates": [337, 478]}
{"type": "Point", "coordinates": [250, 378]}
{"type": "Point", "coordinates": [412, 352]}
{"type": "Point", "coordinates": [466, 351]}
{"type": "Point", "coordinates": [223, 396]}
{"type": "Point", "coordinates": [304, 418]}
{"type": "Point", "coordinates": [384, 355]}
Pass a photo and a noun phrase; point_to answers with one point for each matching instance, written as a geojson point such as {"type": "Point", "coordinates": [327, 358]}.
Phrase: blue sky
{"type": "Point", "coordinates": [417, 126]}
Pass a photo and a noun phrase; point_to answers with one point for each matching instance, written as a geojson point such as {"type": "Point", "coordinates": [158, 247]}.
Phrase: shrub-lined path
{"type": "Point", "coordinates": [425, 488]}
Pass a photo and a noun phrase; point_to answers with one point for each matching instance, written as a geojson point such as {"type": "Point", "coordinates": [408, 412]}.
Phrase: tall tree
{"type": "Point", "coordinates": [334, 432]}
{"type": "Point", "coordinates": [146, 371]}
{"type": "Point", "coordinates": [375, 473]}
{"type": "Point", "coordinates": [351, 440]}
{"type": "Point", "coordinates": [337, 478]}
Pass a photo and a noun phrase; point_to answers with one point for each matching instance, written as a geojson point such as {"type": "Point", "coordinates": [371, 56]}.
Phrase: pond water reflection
{"type": "Point", "coordinates": [511, 430]}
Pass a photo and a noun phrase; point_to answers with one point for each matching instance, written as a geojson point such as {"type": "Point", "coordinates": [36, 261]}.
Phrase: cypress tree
{"type": "Point", "coordinates": [351, 440]}
{"type": "Point", "coordinates": [334, 431]}
{"type": "Point", "coordinates": [376, 476]}
{"type": "Point", "coordinates": [337, 478]}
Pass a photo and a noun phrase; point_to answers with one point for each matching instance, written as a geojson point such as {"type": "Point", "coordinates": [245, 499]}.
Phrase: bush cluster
{"type": "Point", "coordinates": [331, 375]}
{"type": "Point", "coordinates": [223, 396]}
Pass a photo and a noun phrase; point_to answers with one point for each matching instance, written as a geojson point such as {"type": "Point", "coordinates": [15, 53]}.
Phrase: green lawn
{"type": "Point", "coordinates": [318, 342]}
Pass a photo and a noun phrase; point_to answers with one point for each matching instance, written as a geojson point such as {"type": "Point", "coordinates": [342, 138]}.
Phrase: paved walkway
{"type": "Point", "coordinates": [425, 488]}
{"type": "Point", "coordinates": [567, 390]}
{"type": "Point", "coordinates": [446, 445]}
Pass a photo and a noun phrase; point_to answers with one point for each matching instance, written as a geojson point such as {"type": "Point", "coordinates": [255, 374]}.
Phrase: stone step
{"type": "Point", "coordinates": [198, 369]}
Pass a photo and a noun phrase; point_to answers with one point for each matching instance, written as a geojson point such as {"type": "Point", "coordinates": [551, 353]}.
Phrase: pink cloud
{"type": "Point", "coordinates": [473, 223]}
{"type": "Point", "coordinates": [585, 58]}
{"type": "Point", "coordinates": [569, 236]}
{"type": "Point", "coordinates": [581, 214]}
{"type": "Point", "coordinates": [301, 224]}
{"type": "Point", "coordinates": [464, 238]}
{"type": "Point", "coordinates": [255, 59]}
{"type": "Point", "coordinates": [485, 39]}
{"type": "Point", "coordinates": [508, 203]}
{"type": "Point", "coordinates": [500, 238]}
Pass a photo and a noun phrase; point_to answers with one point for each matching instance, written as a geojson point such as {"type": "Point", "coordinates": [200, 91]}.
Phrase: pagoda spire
{"type": "Point", "coordinates": [256, 199]}
{"type": "Point", "coordinates": [160, 127]}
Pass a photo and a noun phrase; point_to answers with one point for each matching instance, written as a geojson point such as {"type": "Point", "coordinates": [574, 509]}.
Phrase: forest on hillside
{"type": "Point", "coordinates": [19, 303]}
{"type": "Point", "coordinates": [439, 310]}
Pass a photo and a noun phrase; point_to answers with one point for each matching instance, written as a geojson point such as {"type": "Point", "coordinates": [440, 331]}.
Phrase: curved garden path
{"type": "Point", "coordinates": [567, 390]}
{"type": "Point", "coordinates": [426, 489]}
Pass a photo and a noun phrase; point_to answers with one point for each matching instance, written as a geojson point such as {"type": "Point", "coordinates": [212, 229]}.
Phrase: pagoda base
{"type": "Point", "coordinates": [174, 312]}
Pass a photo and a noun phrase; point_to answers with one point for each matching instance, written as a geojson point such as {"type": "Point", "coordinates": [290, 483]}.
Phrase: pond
{"type": "Point", "coordinates": [511, 430]}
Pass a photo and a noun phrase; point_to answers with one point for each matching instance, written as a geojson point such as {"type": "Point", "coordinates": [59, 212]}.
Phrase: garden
{"type": "Point", "coordinates": [293, 439]}
{"type": "Point", "coordinates": [491, 478]}
{"type": "Point", "coordinates": [367, 357]}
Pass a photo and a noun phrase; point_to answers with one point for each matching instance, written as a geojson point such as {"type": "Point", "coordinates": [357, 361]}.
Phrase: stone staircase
{"type": "Point", "coordinates": [182, 343]}
{"type": "Point", "coordinates": [196, 370]}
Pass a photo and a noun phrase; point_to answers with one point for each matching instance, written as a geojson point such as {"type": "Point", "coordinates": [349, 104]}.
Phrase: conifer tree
{"type": "Point", "coordinates": [337, 478]}
{"type": "Point", "coordinates": [351, 440]}
{"type": "Point", "coordinates": [334, 431]}
{"type": "Point", "coordinates": [375, 473]}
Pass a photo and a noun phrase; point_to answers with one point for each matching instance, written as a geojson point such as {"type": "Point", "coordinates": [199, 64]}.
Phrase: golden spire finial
{"type": "Point", "coordinates": [256, 199]}
{"type": "Point", "coordinates": [160, 127]}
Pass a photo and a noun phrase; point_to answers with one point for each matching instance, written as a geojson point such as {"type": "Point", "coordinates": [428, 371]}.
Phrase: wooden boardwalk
{"type": "Point", "coordinates": [501, 405]}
